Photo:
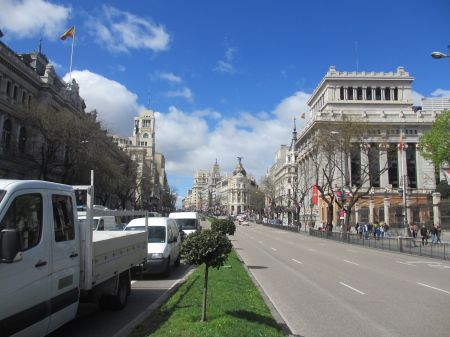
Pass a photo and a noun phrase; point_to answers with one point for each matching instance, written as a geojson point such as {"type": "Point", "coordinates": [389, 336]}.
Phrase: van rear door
{"type": "Point", "coordinates": [25, 284]}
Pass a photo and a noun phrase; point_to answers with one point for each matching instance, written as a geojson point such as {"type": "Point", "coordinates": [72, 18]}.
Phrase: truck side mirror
{"type": "Point", "coordinates": [10, 246]}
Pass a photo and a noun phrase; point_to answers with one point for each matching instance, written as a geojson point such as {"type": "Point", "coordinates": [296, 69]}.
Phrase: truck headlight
{"type": "Point", "coordinates": [156, 256]}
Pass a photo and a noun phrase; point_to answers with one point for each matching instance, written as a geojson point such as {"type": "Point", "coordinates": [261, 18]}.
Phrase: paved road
{"type": "Point", "coordinates": [326, 288]}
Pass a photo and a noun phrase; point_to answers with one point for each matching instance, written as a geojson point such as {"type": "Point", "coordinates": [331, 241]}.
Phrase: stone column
{"type": "Point", "coordinates": [364, 163]}
{"type": "Point", "coordinates": [409, 217]}
{"type": "Point", "coordinates": [371, 210]}
{"type": "Point", "coordinates": [345, 94]}
{"type": "Point", "coordinates": [383, 96]}
{"type": "Point", "coordinates": [387, 204]}
{"type": "Point", "coordinates": [356, 212]}
{"type": "Point", "coordinates": [373, 94]}
{"type": "Point", "coordinates": [419, 168]}
{"type": "Point", "coordinates": [436, 212]}
{"type": "Point", "coordinates": [355, 93]}
{"type": "Point", "coordinates": [364, 93]}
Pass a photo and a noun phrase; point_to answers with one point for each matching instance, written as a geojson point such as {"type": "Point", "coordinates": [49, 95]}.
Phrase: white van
{"type": "Point", "coordinates": [189, 222]}
{"type": "Point", "coordinates": [164, 243]}
{"type": "Point", "coordinates": [101, 223]}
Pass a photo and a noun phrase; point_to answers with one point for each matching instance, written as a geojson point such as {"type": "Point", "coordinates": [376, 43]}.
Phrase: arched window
{"type": "Point", "coordinates": [369, 94]}
{"type": "Point", "coordinates": [6, 134]}
{"type": "Point", "coordinates": [22, 140]}
{"type": "Point", "coordinates": [145, 135]}
{"type": "Point", "coordinates": [350, 93]}
{"type": "Point", "coordinates": [387, 94]}
{"type": "Point", "coordinates": [378, 94]}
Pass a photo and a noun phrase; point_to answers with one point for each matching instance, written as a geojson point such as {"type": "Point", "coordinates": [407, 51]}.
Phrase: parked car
{"type": "Point", "coordinates": [164, 243]}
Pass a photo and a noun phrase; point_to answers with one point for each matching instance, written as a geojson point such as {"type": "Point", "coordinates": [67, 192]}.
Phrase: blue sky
{"type": "Point", "coordinates": [226, 78]}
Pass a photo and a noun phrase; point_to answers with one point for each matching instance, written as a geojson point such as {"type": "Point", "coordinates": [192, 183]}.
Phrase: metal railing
{"type": "Point", "coordinates": [395, 243]}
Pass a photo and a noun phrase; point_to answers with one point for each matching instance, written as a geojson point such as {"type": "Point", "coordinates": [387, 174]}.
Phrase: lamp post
{"type": "Point", "coordinates": [439, 55]}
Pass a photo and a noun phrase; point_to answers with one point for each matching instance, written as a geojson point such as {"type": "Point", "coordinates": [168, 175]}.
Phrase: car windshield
{"type": "Point", "coordinates": [155, 233]}
{"type": "Point", "coordinates": [187, 223]}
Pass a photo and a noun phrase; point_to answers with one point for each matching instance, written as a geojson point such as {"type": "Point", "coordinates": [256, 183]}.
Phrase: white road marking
{"type": "Point", "coordinates": [296, 261]}
{"type": "Point", "coordinates": [406, 263]}
{"type": "Point", "coordinates": [426, 285]}
{"type": "Point", "coordinates": [273, 249]}
{"type": "Point", "coordinates": [312, 250]}
{"type": "Point", "coordinates": [356, 264]}
{"type": "Point", "coordinates": [346, 285]}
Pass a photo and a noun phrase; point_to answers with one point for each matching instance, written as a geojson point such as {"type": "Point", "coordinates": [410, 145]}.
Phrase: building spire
{"type": "Point", "coordinates": [294, 136]}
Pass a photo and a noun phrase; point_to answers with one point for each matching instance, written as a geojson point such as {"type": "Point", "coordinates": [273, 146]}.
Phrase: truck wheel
{"type": "Point", "coordinates": [177, 261]}
{"type": "Point", "coordinates": [119, 300]}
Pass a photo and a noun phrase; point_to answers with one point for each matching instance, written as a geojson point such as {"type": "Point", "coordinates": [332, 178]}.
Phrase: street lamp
{"type": "Point", "coordinates": [439, 55]}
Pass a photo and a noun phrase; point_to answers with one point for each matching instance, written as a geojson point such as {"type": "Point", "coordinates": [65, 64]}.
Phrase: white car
{"type": "Point", "coordinates": [164, 243]}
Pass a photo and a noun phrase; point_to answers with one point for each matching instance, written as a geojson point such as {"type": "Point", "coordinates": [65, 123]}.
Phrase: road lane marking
{"type": "Point", "coordinates": [346, 285]}
{"type": "Point", "coordinates": [273, 249]}
{"type": "Point", "coordinates": [312, 250]}
{"type": "Point", "coordinates": [296, 261]}
{"type": "Point", "coordinates": [426, 285]}
{"type": "Point", "coordinates": [408, 264]}
{"type": "Point", "coordinates": [356, 264]}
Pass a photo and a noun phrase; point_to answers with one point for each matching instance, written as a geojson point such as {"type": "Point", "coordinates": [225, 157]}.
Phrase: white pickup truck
{"type": "Point", "coordinates": [49, 262]}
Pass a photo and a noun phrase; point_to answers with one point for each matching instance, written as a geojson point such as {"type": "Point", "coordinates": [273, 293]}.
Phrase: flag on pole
{"type": "Point", "coordinates": [69, 33]}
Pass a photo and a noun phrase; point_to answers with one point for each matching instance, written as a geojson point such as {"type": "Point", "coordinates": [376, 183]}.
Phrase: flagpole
{"type": "Point", "coordinates": [71, 57]}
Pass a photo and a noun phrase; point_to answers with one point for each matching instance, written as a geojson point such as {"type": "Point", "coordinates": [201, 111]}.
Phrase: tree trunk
{"type": "Point", "coordinates": [205, 294]}
{"type": "Point", "coordinates": [330, 214]}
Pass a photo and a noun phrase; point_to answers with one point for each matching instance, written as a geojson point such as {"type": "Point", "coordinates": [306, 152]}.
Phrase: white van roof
{"type": "Point", "coordinates": [156, 221]}
{"type": "Point", "coordinates": [184, 215]}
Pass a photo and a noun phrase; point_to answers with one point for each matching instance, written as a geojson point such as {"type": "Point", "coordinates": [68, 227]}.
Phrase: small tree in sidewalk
{"type": "Point", "coordinates": [224, 226]}
{"type": "Point", "coordinates": [206, 247]}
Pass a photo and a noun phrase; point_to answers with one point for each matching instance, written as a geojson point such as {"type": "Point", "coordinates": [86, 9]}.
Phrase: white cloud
{"type": "Point", "coordinates": [227, 65]}
{"type": "Point", "coordinates": [120, 31]}
{"type": "Point", "coordinates": [224, 67]}
{"type": "Point", "coordinates": [441, 93]}
{"type": "Point", "coordinates": [29, 18]}
{"type": "Point", "coordinates": [170, 77]}
{"type": "Point", "coordinates": [184, 92]}
{"type": "Point", "coordinates": [189, 144]}
{"type": "Point", "coordinates": [115, 104]}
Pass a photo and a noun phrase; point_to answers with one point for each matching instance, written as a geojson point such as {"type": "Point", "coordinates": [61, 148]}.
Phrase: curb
{"type": "Point", "coordinates": [127, 329]}
{"type": "Point", "coordinates": [273, 309]}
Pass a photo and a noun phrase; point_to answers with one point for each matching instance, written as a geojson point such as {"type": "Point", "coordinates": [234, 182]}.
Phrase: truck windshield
{"type": "Point", "coordinates": [187, 223]}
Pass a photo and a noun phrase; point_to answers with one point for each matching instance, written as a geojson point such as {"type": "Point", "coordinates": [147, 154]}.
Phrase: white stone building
{"type": "Point", "coordinates": [377, 99]}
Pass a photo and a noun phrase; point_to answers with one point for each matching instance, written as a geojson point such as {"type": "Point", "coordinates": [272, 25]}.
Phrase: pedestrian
{"type": "Point", "coordinates": [360, 231]}
{"type": "Point", "coordinates": [438, 233]}
{"type": "Point", "coordinates": [386, 228]}
{"type": "Point", "coordinates": [433, 234]}
{"type": "Point", "coordinates": [356, 227]}
{"type": "Point", "coordinates": [424, 235]}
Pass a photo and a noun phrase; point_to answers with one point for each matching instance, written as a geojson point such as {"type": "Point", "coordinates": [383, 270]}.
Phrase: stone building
{"type": "Point", "coordinates": [383, 102]}
{"type": "Point", "coordinates": [28, 83]}
{"type": "Point", "coordinates": [151, 179]}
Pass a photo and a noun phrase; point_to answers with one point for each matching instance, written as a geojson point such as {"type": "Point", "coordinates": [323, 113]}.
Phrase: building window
{"type": "Point", "coordinates": [6, 134]}
{"type": "Point", "coordinates": [374, 165]}
{"type": "Point", "coordinates": [355, 165]}
{"type": "Point", "coordinates": [350, 93]}
{"type": "Point", "coordinates": [411, 165]}
{"type": "Point", "coordinates": [8, 88]}
{"type": "Point", "coordinates": [145, 135]}
{"type": "Point", "coordinates": [387, 94]}
{"type": "Point", "coordinates": [341, 93]}
{"type": "Point", "coordinates": [392, 165]}
{"type": "Point", "coordinates": [369, 94]}
{"type": "Point", "coordinates": [378, 94]}
{"type": "Point", "coordinates": [24, 96]}
{"type": "Point", "coordinates": [15, 93]}
{"type": "Point", "coordinates": [359, 94]}
{"type": "Point", "coordinates": [22, 140]}
{"type": "Point", "coordinates": [395, 94]}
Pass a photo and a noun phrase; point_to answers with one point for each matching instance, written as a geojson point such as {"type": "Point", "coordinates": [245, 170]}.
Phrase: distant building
{"type": "Point", "coordinates": [435, 103]}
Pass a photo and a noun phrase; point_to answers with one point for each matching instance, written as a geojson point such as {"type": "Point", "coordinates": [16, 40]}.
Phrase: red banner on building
{"type": "Point", "coordinates": [315, 195]}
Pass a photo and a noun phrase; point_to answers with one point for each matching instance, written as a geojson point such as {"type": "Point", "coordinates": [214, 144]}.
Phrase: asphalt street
{"type": "Point", "coordinates": [327, 288]}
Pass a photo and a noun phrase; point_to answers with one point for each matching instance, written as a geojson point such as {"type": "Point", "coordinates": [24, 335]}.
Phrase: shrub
{"type": "Point", "coordinates": [224, 226]}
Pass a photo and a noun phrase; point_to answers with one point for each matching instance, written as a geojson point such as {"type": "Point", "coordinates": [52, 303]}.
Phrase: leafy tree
{"type": "Point", "coordinates": [206, 247]}
{"type": "Point", "coordinates": [223, 226]}
{"type": "Point", "coordinates": [435, 144]}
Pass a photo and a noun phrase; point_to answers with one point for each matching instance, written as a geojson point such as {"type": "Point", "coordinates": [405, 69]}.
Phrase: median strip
{"type": "Point", "coordinates": [346, 285]}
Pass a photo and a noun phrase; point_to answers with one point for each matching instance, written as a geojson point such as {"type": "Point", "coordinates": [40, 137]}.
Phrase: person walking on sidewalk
{"type": "Point", "coordinates": [433, 234]}
{"type": "Point", "coordinates": [424, 235]}
{"type": "Point", "coordinates": [438, 233]}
